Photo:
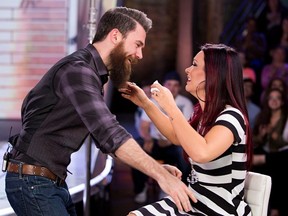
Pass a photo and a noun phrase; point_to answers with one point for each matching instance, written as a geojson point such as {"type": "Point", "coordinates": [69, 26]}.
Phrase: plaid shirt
{"type": "Point", "coordinates": [64, 108]}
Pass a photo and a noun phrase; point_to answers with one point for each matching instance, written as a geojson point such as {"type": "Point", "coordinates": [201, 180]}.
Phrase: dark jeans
{"type": "Point", "coordinates": [172, 155]}
{"type": "Point", "coordinates": [34, 195]}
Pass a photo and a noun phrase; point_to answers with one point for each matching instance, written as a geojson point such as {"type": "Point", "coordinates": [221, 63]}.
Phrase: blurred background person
{"type": "Point", "coordinates": [270, 149]}
{"type": "Point", "coordinates": [145, 85]}
{"type": "Point", "coordinates": [277, 68]}
{"type": "Point", "coordinates": [275, 82]}
{"type": "Point", "coordinates": [270, 22]}
{"type": "Point", "coordinates": [253, 43]}
{"type": "Point", "coordinates": [284, 34]}
{"type": "Point", "coordinates": [252, 108]}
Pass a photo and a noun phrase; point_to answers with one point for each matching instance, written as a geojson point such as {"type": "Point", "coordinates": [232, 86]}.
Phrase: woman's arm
{"type": "Point", "coordinates": [135, 94]}
{"type": "Point", "coordinates": [200, 149]}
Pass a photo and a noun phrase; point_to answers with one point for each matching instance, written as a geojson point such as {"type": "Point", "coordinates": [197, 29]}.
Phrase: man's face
{"type": "Point", "coordinates": [126, 53]}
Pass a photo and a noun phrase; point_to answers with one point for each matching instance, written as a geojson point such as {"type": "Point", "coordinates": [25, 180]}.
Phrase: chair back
{"type": "Point", "coordinates": [257, 192]}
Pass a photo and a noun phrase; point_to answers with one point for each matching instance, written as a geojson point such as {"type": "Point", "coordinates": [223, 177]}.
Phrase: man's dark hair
{"type": "Point", "coordinates": [122, 18]}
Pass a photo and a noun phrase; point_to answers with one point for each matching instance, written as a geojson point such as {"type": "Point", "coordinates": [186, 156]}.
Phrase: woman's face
{"type": "Point", "coordinates": [196, 77]}
{"type": "Point", "coordinates": [275, 100]}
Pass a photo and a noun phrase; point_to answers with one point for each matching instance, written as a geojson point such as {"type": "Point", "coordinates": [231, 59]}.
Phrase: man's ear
{"type": "Point", "coordinates": [115, 36]}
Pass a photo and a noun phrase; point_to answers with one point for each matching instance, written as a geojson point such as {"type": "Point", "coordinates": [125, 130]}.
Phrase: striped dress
{"type": "Point", "coordinates": [219, 184]}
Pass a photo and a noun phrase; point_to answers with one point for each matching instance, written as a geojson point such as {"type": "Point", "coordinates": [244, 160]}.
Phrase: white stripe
{"type": "Point", "coordinates": [166, 207]}
{"type": "Point", "coordinates": [154, 211]}
{"type": "Point", "coordinates": [239, 174]}
{"type": "Point", "coordinates": [137, 213]}
{"type": "Point", "coordinates": [219, 163]}
{"type": "Point", "coordinates": [215, 179]}
{"type": "Point", "coordinates": [170, 198]}
{"type": "Point", "coordinates": [239, 157]}
{"type": "Point", "coordinates": [210, 204]}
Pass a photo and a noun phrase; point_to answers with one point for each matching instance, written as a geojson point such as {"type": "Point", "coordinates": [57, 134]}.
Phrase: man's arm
{"type": "Point", "coordinates": [132, 154]}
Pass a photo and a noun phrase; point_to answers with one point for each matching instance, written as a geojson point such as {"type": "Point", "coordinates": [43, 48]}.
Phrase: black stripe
{"type": "Point", "coordinates": [237, 116]}
{"type": "Point", "coordinates": [231, 127]}
{"type": "Point", "coordinates": [214, 172]}
{"type": "Point", "coordinates": [145, 212]}
{"type": "Point", "coordinates": [217, 199]}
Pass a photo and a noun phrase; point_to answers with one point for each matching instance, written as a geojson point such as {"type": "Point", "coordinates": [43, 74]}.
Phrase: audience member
{"type": "Point", "coordinates": [278, 83]}
{"type": "Point", "coordinates": [248, 72]}
{"type": "Point", "coordinates": [145, 85]}
{"type": "Point", "coordinates": [156, 144]}
{"type": "Point", "coordinates": [253, 43]}
{"type": "Point", "coordinates": [270, 149]}
{"type": "Point", "coordinates": [277, 68]}
{"type": "Point", "coordinates": [252, 108]}
{"type": "Point", "coordinates": [284, 34]}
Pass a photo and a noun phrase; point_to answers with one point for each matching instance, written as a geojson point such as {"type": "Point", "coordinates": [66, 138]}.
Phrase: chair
{"type": "Point", "coordinates": [257, 192]}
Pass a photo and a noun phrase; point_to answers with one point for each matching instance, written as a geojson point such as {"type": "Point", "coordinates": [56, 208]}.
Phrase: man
{"type": "Point", "coordinates": [252, 108]}
{"type": "Point", "coordinates": [66, 106]}
{"type": "Point", "coordinates": [157, 145]}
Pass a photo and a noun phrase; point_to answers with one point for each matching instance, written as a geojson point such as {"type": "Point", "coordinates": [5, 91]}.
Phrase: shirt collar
{"type": "Point", "coordinates": [98, 63]}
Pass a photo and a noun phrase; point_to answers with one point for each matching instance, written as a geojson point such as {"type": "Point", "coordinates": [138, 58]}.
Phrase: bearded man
{"type": "Point", "coordinates": [66, 106]}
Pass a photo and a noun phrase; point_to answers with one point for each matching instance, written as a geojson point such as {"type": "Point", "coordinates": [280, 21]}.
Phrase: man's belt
{"type": "Point", "coordinates": [28, 169]}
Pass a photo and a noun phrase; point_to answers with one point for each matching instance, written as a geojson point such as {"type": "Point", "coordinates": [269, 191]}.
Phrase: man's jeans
{"type": "Point", "coordinates": [36, 195]}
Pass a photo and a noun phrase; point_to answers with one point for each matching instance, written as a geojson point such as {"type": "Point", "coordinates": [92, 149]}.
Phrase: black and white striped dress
{"type": "Point", "coordinates": [218, 185]}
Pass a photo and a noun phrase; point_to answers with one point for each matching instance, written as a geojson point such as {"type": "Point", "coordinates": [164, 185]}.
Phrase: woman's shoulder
{"type": "Point", "coordinates": [229, 108]}
{"type": "Point", "coordinates": [231, 112]}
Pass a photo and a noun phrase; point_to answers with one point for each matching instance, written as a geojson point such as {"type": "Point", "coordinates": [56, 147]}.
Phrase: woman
{"type": "Point", "coordinates": [278, 83]}
{"type": "Point", "coordinates": [270, 147]}
{"type": "Point", "coordinates": [218, 143]}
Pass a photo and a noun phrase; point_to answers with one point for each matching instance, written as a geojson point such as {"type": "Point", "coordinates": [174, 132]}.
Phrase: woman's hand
{"type": "Point", "coordinates": [135, 94]}
{"type": "Point", "coordinates": [163, 96]}
{"type": "Point", "coordinates": [173, 170]}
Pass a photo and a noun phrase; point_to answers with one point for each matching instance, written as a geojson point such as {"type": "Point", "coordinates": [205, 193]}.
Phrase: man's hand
{"type": "Point", "coordinates": [173, 170]}
{"type": "Point", "coordinates": [131, 153]}
{"type": "Point", "coordinates": [135, 94]}
{"type": "Point", "coordinates": [179, 192]}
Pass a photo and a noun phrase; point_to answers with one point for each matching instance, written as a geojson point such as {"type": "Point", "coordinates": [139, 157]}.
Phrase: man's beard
{"type": "Point", "coordinates": [120, 65]}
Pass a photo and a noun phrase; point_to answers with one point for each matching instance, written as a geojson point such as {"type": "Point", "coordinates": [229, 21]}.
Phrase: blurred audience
{"type": "Point", "coordinates": [252, 108]}
{"type": "Point", "coordinates": [277, 68]}
{"type": "Point", "coordinates": [270, 149]}
{"type": "Point", "coordinates": [278, 83]}
{"type": "Point", "coordinates": [145, 85]}
{"type": "Point", "coordinates": [284, 34]}
{"type": "Point", "coordinates": [253, 43]}
{"type": "Point", "coordinates": [270, 21]}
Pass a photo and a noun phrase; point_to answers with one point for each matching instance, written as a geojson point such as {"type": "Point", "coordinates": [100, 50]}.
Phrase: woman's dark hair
{"type": "Point", "coordinates": [224, 86]}
{"type": "Point", "coordinates": [122, 18]}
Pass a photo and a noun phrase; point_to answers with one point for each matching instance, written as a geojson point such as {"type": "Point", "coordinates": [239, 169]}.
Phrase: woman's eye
{"type": "Point", "coordinates": [194, 64]}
